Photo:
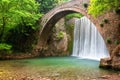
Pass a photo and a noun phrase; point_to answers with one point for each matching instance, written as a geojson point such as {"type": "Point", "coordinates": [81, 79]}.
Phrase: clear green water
{"type": "Point", "coordinates": [54, 68]}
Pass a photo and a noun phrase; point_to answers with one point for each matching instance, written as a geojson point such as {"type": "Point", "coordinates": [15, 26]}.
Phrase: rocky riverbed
{"type": "Point", "coordinates": [55, 68]}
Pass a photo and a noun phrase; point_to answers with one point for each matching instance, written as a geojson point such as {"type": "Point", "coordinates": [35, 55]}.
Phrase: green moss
{"type": "Point", "coordinates": [117, 11]}
{"type": "Point", "coordinates": [60, 35]}
{"type": "Point", "coordinates": [73, 15]}
{"type": "Point", "coordinates": [69, 28]}
{"type": "Point", "coordinates": [5, 48]}
{"type": "Point", "coordinates": [105, 20]}
{"type": "Point", "coordinates": [116, 42]}
{"type": "Point", "coordinates": [108, 40]}
{"type": "Point", "coordinates": [101, 25]}
{"type": "Point", "coordinates": [70, 46]}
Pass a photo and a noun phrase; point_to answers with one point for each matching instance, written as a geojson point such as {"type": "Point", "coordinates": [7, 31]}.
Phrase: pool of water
{"type": "Point", "coordinates": [53, 68]}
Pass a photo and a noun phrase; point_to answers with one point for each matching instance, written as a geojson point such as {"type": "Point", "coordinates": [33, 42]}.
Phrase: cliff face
{"type": "Point", "coordinates": [60, 42]}
{"type": "Point", "coordinates": [115, 58]}
{"type": "Point", "coordinates": [109, 27]}
{"type": "Point", "coordinates": [57, 43]}
{"type": "Point", "coordinates": [113, 62]}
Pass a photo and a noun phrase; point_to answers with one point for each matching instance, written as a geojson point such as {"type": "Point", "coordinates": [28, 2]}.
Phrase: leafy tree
{"type": "Point", "coordinates": [73, 15]}
{"type": "Point", "coordinates": [14, 12]}
{"type": "Point", "coordinates": [47, 5]}
{"type": "Point", "coordinates": [5, 48]}
{"type": "Point", "coordinates": [98, 7]}
{"type": "Point", "coordinates": [17, 20]}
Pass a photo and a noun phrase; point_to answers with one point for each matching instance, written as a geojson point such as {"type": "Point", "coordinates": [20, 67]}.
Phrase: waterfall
{"type": "Point", "coordinates": [88, 43]}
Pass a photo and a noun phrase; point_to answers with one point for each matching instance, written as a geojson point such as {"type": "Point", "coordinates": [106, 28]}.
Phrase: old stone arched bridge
{"type": "Point", "coordinates": [49, 20]}
{"type": "Point", "coordinates": [76, 6]}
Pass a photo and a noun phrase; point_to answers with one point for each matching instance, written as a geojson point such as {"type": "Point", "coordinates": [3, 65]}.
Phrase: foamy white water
{"type": "Point", "coordinates": [88, 43]}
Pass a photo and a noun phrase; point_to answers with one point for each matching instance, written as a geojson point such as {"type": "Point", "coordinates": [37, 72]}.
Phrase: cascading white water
{"type": "Point", "coordinates": [88, 43]}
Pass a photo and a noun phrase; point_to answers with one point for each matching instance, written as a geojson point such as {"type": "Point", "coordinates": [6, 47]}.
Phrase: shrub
{"type": "Point", "coordinates": [73, 15]}
{"type": "Point", "coordinates": [60, 35]}
{"type": "Point", "coordinates": [100, 7]}
{"type": "Point", "coordinates": [85, 5]}
{"type": "Point", "coordinates": [101, 25]}
{"type": "Point", "coordinates": [5, 48]}
{"type": "Point", "coordinates": [22, 37]}
{"type": "Point", "coordinates": [117, 42]}
{"type": "Point", "coordinates": [117, 11]}
{"type": "Point", "coordinates": [108, 40]}
{"type": "Point", "coordinates": [105, 20]}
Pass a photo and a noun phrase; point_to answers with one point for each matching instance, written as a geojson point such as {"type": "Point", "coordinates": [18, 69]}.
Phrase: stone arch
{"type": "Point", "coordinates": [76, 6]}
{"type": "Point", "coordinates": [44, 34]}
{"type": "Point", "coordinates": [50, 19]}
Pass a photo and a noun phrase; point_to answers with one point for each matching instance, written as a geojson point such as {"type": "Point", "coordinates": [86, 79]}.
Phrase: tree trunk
{"type": "Point", "coordinates": [2, 30]}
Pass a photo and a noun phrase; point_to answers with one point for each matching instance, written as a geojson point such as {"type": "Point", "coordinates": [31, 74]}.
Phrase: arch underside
{"type": "Point", "coordinates": [50, 24]}
{"type": "Point", "coordinates": [47, 28]}
{"type": "Point", "coordinates": [49, 20]}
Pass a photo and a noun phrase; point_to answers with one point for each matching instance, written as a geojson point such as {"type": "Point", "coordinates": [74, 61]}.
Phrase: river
{"type": "Point", "coordinates": [51, 68]}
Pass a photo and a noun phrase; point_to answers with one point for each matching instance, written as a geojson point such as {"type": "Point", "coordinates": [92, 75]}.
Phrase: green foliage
{"type": "Point", "coordinates": [105, 20]}
{"type": "Point", "coordinates": [98, 7]}
{"type": "Point", "coordinates": [22, 37]}
{"type": "Point", "coordinates": [5, 48]}
{"type": "Point", "coordinates": [101, 25]}
{"type": "Point", "coordinates": [18, 20]}
{"type": "Point", "coordinates": [108, 40]}
{"type": "Point", "coordinates": [60, 35]}
{"type": "Point", "coordinates": [70, 45]}
{"type": "Point", "coordinates": [117, 42]}
{"type": "Point", "coordinates": [47, 5]}
{"type": "Point", "coordinates": [117, 11]}
{"type": "Point", "coordinates": [70, 30]}
{"type": "Point", "coordinates": [14, 12]}
{"type": "Point", "coordinates": [73, 15]}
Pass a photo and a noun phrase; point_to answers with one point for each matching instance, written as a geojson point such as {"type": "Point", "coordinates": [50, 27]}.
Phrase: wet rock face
{"type": "Point", "coordinates": [111, 31]}
{"type": "Point", "coordinates": [116, 52]}
{"type": "Point", "coordinates": [116, 58]}
{"type": "Point", "coordinates": [105, 63]}
{"type": "Point", "coordinates": [62, 44]}
{"type": "Point", "coordinates": [114, 61]}
{"type": "Point", "coordinates": [57, 43]}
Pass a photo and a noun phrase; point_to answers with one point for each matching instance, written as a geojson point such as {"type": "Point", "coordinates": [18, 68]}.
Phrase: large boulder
{"type": "Point", "coordinates": [105, 63]}
{"type": "Point", "coordinates": [116, 58]}
{"type": "Point", "coordinates": [114, 61]}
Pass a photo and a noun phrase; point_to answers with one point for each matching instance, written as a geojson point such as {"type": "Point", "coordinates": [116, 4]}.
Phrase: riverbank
{"type": "Point", "coordinates": [108, 77]}
{"type": "Point", "coordinates": [56, 77]}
